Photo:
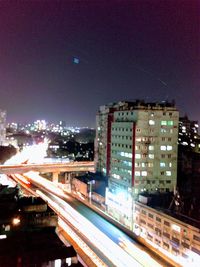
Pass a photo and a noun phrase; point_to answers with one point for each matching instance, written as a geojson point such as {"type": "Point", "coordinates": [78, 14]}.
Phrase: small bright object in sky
{"type": "Point", "coordinates": [76, 60]}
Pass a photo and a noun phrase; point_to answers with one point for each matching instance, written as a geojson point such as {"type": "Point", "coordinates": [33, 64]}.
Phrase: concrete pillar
{"type": "Point", "coordinates": [68, 177]}
{"type": "Point", "coordinates": [55, 177]}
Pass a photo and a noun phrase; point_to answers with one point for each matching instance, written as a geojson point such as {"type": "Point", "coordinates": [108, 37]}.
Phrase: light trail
{"type": "Point", "coordinates": [110, 249]}
{"type": "Point", "coordinates": [137, 253]}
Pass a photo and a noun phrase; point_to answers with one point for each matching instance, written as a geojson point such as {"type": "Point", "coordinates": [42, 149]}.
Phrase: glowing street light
{"type": "Point", "coordinates": [16, 221]}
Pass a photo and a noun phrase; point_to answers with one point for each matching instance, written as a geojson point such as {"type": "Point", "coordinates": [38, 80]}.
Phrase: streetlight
{"type": "Point", "coordinates": [16, 221]}
{"type": "Point", "coordinates": [90, 189]}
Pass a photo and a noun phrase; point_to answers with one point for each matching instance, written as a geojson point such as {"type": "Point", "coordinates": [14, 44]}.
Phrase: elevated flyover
{"type": "Point", "coordinates": [79, 166]}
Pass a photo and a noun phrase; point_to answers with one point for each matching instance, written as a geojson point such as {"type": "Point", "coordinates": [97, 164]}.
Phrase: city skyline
{"type": "Point", "coordinates": [63, 60]}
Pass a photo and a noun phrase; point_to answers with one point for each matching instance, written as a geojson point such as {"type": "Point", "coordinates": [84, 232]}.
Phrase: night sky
{"type": "Point", "coordinates": [61, 60]}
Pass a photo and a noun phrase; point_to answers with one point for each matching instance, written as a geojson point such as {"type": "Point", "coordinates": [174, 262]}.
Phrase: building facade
{"type": "Point", "coordinates": [177, 240]}
{"type": "Point", "coordinates": [136, 148]}
{"type": "Point", "coordinates": [188, 134]}
{"type": "Point", "coordinates": [2, 127]}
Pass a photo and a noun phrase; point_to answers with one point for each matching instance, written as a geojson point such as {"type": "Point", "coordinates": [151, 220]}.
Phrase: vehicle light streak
{"type": "Point", "coordinates": [111, 250]}
{"type": "Point", "coordinates": [21, 178]}
{"type": "Point", "coordinates": [33, 176]}
{"type": "Point", "coordinates": [142, 256]}
{"type": "Point", "coordinates": [81, 244]}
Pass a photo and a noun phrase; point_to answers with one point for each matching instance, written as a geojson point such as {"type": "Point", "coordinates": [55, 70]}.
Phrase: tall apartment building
{"type": "Point", "coordinates": [136, 147]}
{"type": "Point", "coordinates": [2, 127]}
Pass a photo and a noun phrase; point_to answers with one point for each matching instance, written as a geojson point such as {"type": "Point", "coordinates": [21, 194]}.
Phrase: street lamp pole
{"type": "Point", "coordinates": [90, 189]}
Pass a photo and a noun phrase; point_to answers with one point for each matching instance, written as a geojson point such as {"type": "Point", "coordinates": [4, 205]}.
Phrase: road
{"type": "Point", "coordinates": [105, 239]}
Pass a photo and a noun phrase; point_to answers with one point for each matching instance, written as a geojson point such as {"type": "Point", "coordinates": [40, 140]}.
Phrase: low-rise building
{"type": "Point", "coordinates": [176, 239]}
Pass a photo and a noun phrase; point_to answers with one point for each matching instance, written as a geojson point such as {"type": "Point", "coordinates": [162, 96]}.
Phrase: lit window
{"type": "Point", "coordinates": [116, 176]}
{"type": "Point", "coordinates": [137, 173]}
{"type": "Point", "coordinates": [151, 147]}
{"type": "Point", "coordinates": [170, 123]}
{"type": "Point", "coordinates": [138, 139]}
{"type": "Point", "coordinates": [168, 173]}
{"type": "Point", "coordinates": [170, 164]}
{"type": "Point", "coordinates": [151, 156]}
{"type": "Point", "coordinates": [128, 155]}
{"type": "Point", "coordinates": [144, 173]}
{"type": "Point", "coordinates": [163, 148]}
{"type": "Point", "coordinates": [137, 156]}
{"type": "Point", "coordinates": [163, 123]}
{"type": "Point", "coordinates": [151, 122]}
{"type": "Point", "coordinates": [150, 164]}
{"type": "Point", "coordinates": [169, 148]}
{"type": "Point", "coordinates": [162, 164]}
{"type": "Point", "coordinates": [127, 163]}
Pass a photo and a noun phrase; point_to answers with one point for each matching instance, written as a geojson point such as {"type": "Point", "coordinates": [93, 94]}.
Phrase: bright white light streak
{"type": "Point", "coordinates": [33, 176]}
{"type": "Point", "coordinates": [81, 244]}
{"type": "Point", "coordinates": [110, 249]}
{"type": "Point", "coordinates": [21, 178]}
{"type": "Point", "coordinates": [69, 231]}
{"type": "Point", "coordinates": [139, 254]}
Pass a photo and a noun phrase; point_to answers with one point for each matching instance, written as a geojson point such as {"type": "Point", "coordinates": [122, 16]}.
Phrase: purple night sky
{"type": "Point", "coordinates": [61, 60]}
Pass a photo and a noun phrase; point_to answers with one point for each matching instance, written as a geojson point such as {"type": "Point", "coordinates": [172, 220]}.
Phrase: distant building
{"type": "Point", "coordinates": [188, 134]}
{"type": "Point", "coordinates": [2, 127]}
{"type": "Point", "coordinates": [40, 125]}
{"type": "Point", "coordinates": [136, 147]}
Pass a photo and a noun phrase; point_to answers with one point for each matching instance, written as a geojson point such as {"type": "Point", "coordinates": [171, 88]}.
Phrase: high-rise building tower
{"type": "Point", "coordinates": [2, 127]}
{"type": "Point", "coordinates": [136, 148]}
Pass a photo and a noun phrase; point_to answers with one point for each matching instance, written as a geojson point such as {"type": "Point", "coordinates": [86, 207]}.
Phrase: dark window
{"type": "Point", "coordinates": [158, 219]}
{"type": "Point", "coordinates": [175, 240]}
{"type": "Point", "coordinates": [185, 245]}
{"type": "Point", "coordinates": [166, 223]}
{"type": "Point", "coordinates": [166, 234]}
{"type": "Point", "coordinates": [165, 245]}
{"type": "Point", "coordinates": [150, 215]}
{"type": "Point", "coordinates": [197, 238]}
{"type": "Point", "coordinates": [144, 212]}
{"type": "Point", "coordinates": [142, 221]}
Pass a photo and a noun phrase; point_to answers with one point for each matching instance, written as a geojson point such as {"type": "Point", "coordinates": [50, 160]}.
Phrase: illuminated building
{"type": "Point", "coordinates": [173, 238]}
{"type": "Point", "coordinates": [2, 127]}
{"type": "Point", "coordinates": [136, 147]}
{"type": "Point", "coordinates": [40, 125]}
{"type": "Point", "coordinates": [188, 133]}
